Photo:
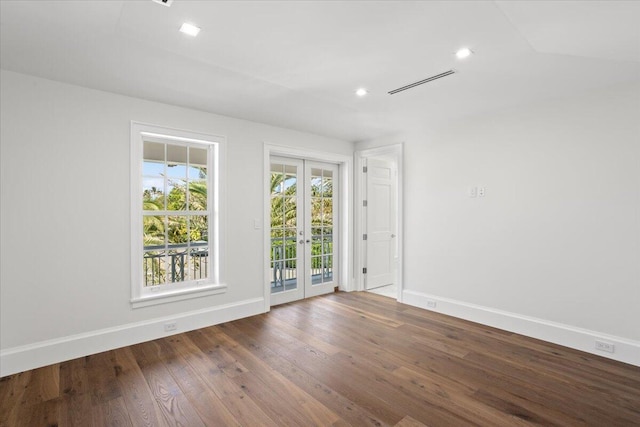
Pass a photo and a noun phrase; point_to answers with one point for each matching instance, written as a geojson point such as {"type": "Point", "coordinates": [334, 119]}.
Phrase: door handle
{"type": "Point", "coordinates": [302, 241]}
{"type": "Point", "coordinates": [393, 235]}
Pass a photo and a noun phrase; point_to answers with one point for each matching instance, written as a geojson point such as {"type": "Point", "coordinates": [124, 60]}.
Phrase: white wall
{"type": "Point", "coordinates": [557, 238]}
{"type": "Point", "coordinates": [555, 243]}
{"type": "Point", "coordinates": [65, 208]}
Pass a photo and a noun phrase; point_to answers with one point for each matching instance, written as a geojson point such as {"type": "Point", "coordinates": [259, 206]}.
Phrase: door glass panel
{"type": "Point", "coordinates": [316, 182]}
{"type": "Point", "coordinates": [277, 214]}
{"type": "Point", "coordinates": [284, 212]}
{"type": "Point", "coordinates": [290, 187]}
{"type": "Point", "coordinates": [321, 267]}
{"type": "Point", "coordinates": [290, 244]}
{"type": "Point", "coordinates": [277, 178]}
{"type": "Point", "coordinates": [327, 211]}
{"type": "Point", "coordinates": [316, 211]}
{"type": "Point", "coordinates": [327, 254]}
{"type": "Point", "coordinates": [327, 184]}
{"type": "Point", "coordinates": [316, 270]}
{"type": "Point", "coordinates": [290, 211]}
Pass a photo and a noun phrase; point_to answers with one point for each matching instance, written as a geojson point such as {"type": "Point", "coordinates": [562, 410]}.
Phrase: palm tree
{"type": "Point", "coordinates": [283, 204]}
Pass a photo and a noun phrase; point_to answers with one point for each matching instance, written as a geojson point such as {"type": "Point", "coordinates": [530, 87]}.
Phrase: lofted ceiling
{"type": "Point", "coordinates": [297, 64]}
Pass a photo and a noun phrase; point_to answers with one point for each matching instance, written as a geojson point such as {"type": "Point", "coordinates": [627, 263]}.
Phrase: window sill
{"type": "Point", "coordinates": [178, 295]}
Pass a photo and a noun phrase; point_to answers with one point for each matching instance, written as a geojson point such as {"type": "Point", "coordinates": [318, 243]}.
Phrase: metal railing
{"type": "Point", "coordinates": [156, 272]}
{"type": "Point", "coordinates": [192, 262]}
{"type": "Point", "coordinates": [283, 260]}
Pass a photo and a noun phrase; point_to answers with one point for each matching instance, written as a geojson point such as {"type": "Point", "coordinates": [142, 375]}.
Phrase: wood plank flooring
{"type": "Point", "coordinates": [355, 359]}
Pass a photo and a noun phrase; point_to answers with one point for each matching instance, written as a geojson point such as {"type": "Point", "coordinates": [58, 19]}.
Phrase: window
{"type": "Point", "coordinates": [176, 221]}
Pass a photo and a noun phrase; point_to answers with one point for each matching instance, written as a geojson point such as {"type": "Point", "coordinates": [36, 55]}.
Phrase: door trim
{"type": "Point", "coordinates": [345, 207]}
{"type": "Point", "coordinates": [396, 152]}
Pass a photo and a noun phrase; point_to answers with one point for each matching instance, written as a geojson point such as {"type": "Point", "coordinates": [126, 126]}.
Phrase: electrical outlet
{"type": "Point", "coordinates": [431, 303]}
{"type": "Point", "coordinates": [481, 192]}
{"type": "Point", "coordinates": [170, 326]}
{"type": "Point", "coordinates": [605, 346]}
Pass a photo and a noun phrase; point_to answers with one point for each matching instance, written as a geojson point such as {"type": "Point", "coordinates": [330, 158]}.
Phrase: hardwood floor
{"type": "Point", "coordinates": [343, 359]}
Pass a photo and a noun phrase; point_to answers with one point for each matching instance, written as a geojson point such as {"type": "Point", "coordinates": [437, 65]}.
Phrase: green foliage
{"type": "Point", "coordinates": [283, 203]}
{"type": "Point", "coordinates": [284, 218]}
{"type": "Point", "coordinates": [175, 225]}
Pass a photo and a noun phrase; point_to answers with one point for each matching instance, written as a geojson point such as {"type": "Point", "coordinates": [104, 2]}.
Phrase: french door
{"type": "Point", "coordinates": [303, 229]}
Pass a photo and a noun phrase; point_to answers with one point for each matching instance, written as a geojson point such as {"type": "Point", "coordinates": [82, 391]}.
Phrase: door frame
{"type": "Point", "coordinates": [394, 152]}
{"type": "Point", "coordinates": [345, 207]}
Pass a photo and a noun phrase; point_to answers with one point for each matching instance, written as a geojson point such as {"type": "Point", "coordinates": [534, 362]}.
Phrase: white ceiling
{"type": "Point", "coordinates": [297, 64]}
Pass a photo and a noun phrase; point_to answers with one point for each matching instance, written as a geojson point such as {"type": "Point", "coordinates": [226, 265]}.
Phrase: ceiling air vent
{"type": "Point", "coordinates": [421, 82]}
{"type": "Point", "coordinates": [163, 2]}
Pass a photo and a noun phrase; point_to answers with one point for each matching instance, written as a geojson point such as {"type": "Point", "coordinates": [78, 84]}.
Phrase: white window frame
{"type": "Point", "coordinates": [142, 296]}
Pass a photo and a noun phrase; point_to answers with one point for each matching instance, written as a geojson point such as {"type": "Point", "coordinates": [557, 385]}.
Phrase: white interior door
{"type": "Point", "coordinates": [303, 223]}
{"type": "Point", "coordinates": [380, 213]}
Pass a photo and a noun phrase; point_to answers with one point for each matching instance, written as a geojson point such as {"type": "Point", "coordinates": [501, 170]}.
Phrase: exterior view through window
{"type": "Point", "coordinates": [176, 213]}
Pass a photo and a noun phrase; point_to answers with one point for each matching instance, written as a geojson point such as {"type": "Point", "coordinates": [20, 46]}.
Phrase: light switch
{"type": "Point", "coordinates": [473, 192]}
{"type": "Point", "coordinates": [256, 224]}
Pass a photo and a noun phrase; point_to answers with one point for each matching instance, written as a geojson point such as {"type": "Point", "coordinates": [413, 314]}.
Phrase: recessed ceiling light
{"type": "Point", "coordinates": [163, 2]}
{"type": "Point", "coordinates": [362, 92]}
{"type": "Point", "coordinates": [463, 53]}
{"type": "Point", "coordinates": [189, 29]}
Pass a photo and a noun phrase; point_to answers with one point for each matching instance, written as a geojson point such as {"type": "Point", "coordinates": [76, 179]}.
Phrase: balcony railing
{"type": "Point", "coordinates": [192, 262]}
{"type": "Point", "coordinates": [284, 261]}
{"type": "Point", "coordinates": [155, 270]}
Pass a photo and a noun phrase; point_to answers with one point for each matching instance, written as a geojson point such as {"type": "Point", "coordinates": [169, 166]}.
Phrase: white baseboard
{"type": "Point", "coordinates": [23, 358]}
{"type": "Point", "coordinates": [626, 350]}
